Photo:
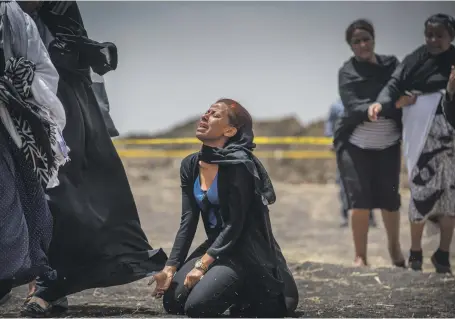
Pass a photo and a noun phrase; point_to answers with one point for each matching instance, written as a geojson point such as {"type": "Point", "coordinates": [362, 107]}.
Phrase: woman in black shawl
{"type": "Point", "coordinates": [97, 240]}
{"type": "Point", "coordinates": [368, 154]}
{"type": "Point", "coordinates": [432, 177]}
{"type": "Point", "coordinates": [240, 264]}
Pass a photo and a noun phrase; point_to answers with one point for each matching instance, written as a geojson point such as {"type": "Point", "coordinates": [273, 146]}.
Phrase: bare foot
{"type": "Point", "coordinates": [397, 256]}
{"type": "Point", "coordinates": [360, 262]}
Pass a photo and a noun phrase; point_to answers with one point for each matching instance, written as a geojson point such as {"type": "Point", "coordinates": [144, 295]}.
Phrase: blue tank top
{"type": "Point", "coordinates": [208, 201]}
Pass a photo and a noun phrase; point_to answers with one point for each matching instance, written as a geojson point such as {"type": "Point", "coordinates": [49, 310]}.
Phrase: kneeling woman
{"type": "Point", "coordinates": [240, 266]}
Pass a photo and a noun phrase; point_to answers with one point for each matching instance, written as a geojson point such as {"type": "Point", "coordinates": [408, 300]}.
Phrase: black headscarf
{"type": "Point", "coordinates": [424, 71]}
{"type": "Point", "coordinates": [447, 21]}
{"type": "Point", "coordinates": [239, 150]}
{"type": "Point", "coordinates": [421, 70]}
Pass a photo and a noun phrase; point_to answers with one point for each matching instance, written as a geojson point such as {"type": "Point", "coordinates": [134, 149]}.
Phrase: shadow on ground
{"type": "Point", "coordinates": [326, 290]}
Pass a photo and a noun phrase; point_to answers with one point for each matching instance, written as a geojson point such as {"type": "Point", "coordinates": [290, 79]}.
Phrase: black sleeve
{"type": "Point", "coordinates": [355, 107]}
{"type": "Point", "coordinates": [240, 195]}
{"type": "Point", "coordinates": [448, 107]}
{"type": "Point", "coordinates": [392, 91]}
{"type": "Point", "coordinates": [188, 222]}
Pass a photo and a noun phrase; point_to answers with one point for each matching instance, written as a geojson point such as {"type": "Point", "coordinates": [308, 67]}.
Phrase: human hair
{"type": "Point", "coordinates": [440, 18]}
{"type": "Point", "coordinates": [238, 116]}
{"type": "Point", "coordinates": [363, 24]}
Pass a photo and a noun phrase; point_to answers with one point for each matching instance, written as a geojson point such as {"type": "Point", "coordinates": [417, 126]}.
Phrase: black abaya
{"type": "Point", "coordinates": [97, 240]}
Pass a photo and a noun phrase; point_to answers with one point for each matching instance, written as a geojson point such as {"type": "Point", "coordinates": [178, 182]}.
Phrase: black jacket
{"type": "Point", "coordinates": [359, 85]}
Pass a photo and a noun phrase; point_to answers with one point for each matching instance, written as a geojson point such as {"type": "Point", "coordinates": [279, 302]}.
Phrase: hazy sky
{"type": "Point", "coordinates": [276, 58]}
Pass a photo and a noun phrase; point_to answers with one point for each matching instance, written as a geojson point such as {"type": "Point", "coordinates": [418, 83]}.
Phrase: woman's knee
{"type": "Point", "coordinates": [201, 309]}
{"type": "Point", "coordinates": [205, 306]}
{"type": "Point", "coordinates": [171, 304]}
{"type": "Point", "coordinates": [194, 309]}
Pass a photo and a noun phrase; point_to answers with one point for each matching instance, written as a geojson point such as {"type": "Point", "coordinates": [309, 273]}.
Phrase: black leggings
{"type": "Point", "coordinates": [221, 287]}
{"type": "Point", "coordinates": [210, 297]}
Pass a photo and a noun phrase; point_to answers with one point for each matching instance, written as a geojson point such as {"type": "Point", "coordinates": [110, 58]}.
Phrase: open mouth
{"type": "Point", "coordinates": [202, 125]}
{"type": "Point", "coordinates": [434, 47]}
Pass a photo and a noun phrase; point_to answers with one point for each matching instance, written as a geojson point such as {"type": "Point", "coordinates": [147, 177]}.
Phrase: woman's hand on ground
{"type": "Point", "coordinates": [451, 83]}
{"type": "Point", "coordinates": [193, 278]}
{"type": "Point", "coordinates": [406, 100]}
{"type": "Point", "coordinates": [163, 280]}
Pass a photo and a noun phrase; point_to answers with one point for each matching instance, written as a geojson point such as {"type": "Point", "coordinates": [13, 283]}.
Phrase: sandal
{"type": "Point", "coordinates": [28, 298]}
{"type": "Point", "coordinates": [415, 260]}
{"type": "Point", "coordinates": [35, 310]}
{"type": "Point", "coordinates": [441, 263]}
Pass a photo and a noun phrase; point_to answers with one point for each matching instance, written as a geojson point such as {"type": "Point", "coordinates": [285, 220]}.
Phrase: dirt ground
{"type": "Point", "coordinates": [306, 224]}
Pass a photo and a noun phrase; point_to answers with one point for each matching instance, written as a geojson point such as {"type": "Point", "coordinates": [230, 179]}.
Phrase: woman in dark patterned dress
{"type": "Point", "coordinates": [31, 119]}
{"type": "Point", "coordinates": [431, 173]}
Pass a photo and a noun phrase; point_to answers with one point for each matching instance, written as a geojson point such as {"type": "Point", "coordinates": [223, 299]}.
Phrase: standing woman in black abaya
{"type": "Point", "coordinates": [98, 240]}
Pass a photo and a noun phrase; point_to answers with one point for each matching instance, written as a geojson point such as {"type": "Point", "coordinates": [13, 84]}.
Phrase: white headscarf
{"type": "Point", "coordinates": [21, 38]}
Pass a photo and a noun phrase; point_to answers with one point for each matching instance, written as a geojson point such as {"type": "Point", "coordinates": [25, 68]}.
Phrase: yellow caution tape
{"type": "Point", "coordinates": [308, 140]}
{"type": "Point", "coordinates": [276, 154]}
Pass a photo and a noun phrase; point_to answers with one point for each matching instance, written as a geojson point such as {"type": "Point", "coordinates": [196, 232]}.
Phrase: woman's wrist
{"type": "Point", "coordinates": [207, 260]}
{"type": "Point", "coordinates": [170, 270]}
